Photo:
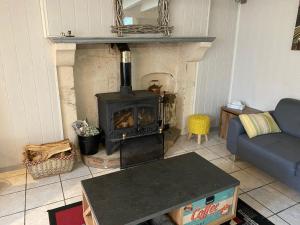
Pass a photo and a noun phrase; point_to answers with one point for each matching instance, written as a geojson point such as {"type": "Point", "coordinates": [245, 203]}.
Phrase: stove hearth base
{"type": "Point", "coordinates": [103, 161]}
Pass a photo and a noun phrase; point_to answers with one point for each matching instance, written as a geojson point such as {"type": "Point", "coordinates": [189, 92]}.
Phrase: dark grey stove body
{"type": "Point", "coordinates": [127, 116]}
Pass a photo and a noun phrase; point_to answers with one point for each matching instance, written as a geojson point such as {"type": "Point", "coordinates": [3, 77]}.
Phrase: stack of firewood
{"type": "Point", "coordinates": [47, 151]}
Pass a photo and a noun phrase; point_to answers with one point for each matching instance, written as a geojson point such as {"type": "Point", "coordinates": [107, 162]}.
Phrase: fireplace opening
{"type": "Point", "coordinates": [130, 118]}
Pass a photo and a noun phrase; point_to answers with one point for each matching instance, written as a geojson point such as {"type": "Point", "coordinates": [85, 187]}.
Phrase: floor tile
{"type": "Point", "coordinates": [105, 172]}
{"type": "Point", "coordinates": [220, 150]}
{"type": "Point", "coordinates": [271, 198]}
{"type": "Point", "coordinates": [13, 173]}
{"type": "Point", "coordinates": [79, 170]}
{"type": "Point", "coordinates": [256, 205]}
{"type": "Point", "coordinates": [211, 142]}
{"type": "Point", "coordinates": [39, 216]}
{"type": "Point", "coordinates": [188, 145]}
{"type": "Point", "coordinates": [43, 195]}
{"type": "Point", "coordinates": [15, 219]}
{"type": "Point", "coordinates": [73, 200]}
{"type": "Point", "coordinates": [174, 150]}
{"type": "Point", "coordinates": [226, 165]}
{"type": "Point", "coordinates": [97, 170]}
{"type": "Point", "coordinates": [32, 183]}
{"type": "Point", "coordinates": [72, 187]}
{"type": "Point", "coordinates": [208, 155]}
{"type": "Point", "coordinates": [184, 140]}
{"type": "Point", "coordinates": [248, 182]}
{"type": "Point", "coordinates": [241, 191]}
{"type": "Point", "coordinates": [291, 215]}
{"type": "Point", "coordinates": [12, 184]}
{"type": "Point", "coordinates": [240, 163]}
{"type": "Point", "coordinates": [12, 203]}
{"type": "Point", "coordinates": [284, 189]}
{"type": "Point", "coordinates": [277, 220]}
{"type": "Point", "coordinates": [221, 140]}
{"type": "Point", "coordinates": [253, 171]}
{"type": "Point", "coordinates": [192, 148]}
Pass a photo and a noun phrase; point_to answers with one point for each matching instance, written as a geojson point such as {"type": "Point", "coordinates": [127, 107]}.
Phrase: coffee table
{"type": "Point", "coordinates": [138, 194]}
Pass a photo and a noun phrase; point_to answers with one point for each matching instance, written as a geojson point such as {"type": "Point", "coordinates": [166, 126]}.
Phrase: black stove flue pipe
{"type": "Point", "coordinates": [125, 69]}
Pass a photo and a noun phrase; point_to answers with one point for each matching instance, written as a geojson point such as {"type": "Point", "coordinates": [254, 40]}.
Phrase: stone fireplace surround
{"type": "Point", "coordinates": [86, 69]}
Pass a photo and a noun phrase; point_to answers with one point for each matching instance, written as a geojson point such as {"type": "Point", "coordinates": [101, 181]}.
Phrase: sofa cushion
{"type": "Point", "coordinates": [279, 152]}
{"type": "Point", "coordinates": [258, 124]}
{"type": "Point", "coordinates": [287, 116]}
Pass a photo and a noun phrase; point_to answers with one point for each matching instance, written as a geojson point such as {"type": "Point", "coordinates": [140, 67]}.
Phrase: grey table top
{"type": "Point", "coordinates": [138, 194]}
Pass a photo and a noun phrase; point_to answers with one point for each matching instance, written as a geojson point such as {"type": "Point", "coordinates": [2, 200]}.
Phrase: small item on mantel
{"type": "Point", "coordinates": [69, 34]}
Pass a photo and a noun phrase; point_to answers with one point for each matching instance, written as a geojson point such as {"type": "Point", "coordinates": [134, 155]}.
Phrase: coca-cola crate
{"type": "Point", "coordinates": [215, 209]}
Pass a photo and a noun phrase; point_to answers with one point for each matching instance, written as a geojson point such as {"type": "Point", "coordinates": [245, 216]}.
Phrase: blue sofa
{"type": "Point", "coordinates": [277, 154]}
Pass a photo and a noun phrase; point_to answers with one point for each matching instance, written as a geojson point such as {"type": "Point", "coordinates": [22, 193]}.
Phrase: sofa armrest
{"type": "Point", "coordinates": [235, 129]}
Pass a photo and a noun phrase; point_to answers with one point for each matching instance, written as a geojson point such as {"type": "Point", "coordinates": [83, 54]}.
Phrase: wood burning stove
{"type": "Point", "coordinates": [128, 114]}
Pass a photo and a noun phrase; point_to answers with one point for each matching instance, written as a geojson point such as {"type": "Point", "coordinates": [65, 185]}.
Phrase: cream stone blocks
{"type": "Point", "coordinates": [94, 68]}
{"type": "Point", "coordinates": [65, 55]}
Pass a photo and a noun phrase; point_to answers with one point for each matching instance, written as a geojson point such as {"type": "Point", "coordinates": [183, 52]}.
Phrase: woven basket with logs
{"type": "Point", "coordinates": [49, 159]}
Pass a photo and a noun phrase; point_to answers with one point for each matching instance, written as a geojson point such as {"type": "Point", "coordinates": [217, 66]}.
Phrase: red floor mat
{"type": "Point", "coordinates": [67, 215]}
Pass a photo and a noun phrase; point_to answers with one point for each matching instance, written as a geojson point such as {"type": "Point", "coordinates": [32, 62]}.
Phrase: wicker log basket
{"type": "Point", "coordinates": [49, 159]}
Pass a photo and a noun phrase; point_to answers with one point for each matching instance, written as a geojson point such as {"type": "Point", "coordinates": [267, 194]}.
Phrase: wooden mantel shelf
{"type": "Point", "coordinates": [134, 40]}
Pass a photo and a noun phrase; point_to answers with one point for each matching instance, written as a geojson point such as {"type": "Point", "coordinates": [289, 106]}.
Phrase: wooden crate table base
{"type": "Point", "coordinates": [216, 209]}
{"type": "Point", "coordinates": [87, 212]}
{"type": "Point", "coordinates": [213, 210]}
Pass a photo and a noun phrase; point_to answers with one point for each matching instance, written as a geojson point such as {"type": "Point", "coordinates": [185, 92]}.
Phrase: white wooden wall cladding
{"type": "Point", "coordinates": [190, 17]}
{"type": "Point", "coordinates": [29, 111]}
{"type": "Point", "coordinates": [215, 69]}
{"type": "Point", "coordinates": [95, 17]}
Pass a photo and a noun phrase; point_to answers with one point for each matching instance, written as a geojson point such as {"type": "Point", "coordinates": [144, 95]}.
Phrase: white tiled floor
{"type": "Point", "coordinates": [24, 200]}
{"type": "Point", "coordinates": [72, 188]}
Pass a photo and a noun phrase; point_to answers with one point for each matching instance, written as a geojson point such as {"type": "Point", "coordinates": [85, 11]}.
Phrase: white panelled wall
{"type": "Point", "coordinates": [95, 17]}
{"type": "Point", "coordinates": [29, 111]}
{"type": "Point", "coordinates": [215, 68]}
{"type": "Point", "coordinates": [266, 69]}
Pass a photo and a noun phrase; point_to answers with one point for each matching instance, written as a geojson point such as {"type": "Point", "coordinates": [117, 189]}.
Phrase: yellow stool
{"type": "Point", "coordinates": [199, 125]}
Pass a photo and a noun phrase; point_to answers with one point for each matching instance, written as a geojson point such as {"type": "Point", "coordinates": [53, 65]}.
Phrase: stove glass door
{"type": "Point", "coordinates": [146, 116]}
{"type": "Point", "coordinates": [123, 118]}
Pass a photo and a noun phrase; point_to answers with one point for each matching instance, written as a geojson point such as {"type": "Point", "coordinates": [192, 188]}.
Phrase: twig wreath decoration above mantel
{"type": "Point", "coordinates": [141, 17]}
